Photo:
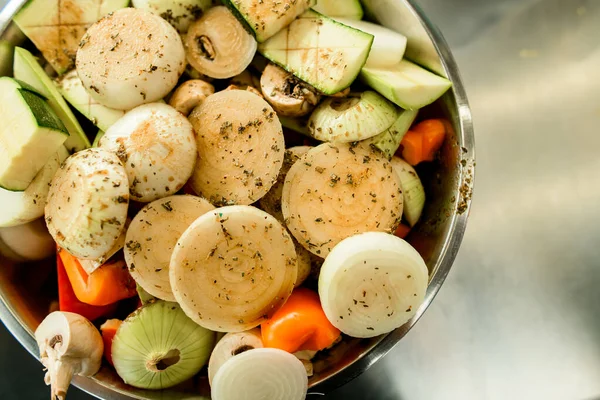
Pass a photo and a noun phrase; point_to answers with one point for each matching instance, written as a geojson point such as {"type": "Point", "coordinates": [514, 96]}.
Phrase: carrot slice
{"type": "Point", "coordinates": [423, 141]}
{"type": "Point", "coordinates": [109, 330]}
{"type": "Point", "coordinates": [402, 231]}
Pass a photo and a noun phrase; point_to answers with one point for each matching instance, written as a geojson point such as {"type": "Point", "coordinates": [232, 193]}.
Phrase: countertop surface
{"type": "Point", "coordinates": [519, 315]}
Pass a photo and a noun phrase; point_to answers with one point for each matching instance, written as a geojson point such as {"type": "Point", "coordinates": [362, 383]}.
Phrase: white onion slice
{"type": "Point", "coordinates": [412, 189]}
{"type": "Point", "coordinates": [232, 344]}
{"type": "Point", "coordinates": [260, 374]}
{"type": "Point", "coordinates": [371, 284]}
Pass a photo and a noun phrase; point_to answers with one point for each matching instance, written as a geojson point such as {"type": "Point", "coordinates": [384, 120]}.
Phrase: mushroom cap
{"type": "Point", "coordinates": [288, 95]}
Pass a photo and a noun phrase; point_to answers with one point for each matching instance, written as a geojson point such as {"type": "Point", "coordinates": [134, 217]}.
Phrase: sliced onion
{"type": "Point", "coordinates": [356, 117]}
{"type": "Point", "coordinates": [371, 284]}
{"type": "Point", "coordinates": [412, 189]}
{"type": "Point", "coordinates": [230, 345]}
{"type": "Point", "coordinates": [260, 374]}
{"type": "Point", "coordinates": [233, 268]}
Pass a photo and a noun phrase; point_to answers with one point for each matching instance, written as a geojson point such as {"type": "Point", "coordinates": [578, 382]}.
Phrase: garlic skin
{"type": "Point", "coordinates": [69, 345]}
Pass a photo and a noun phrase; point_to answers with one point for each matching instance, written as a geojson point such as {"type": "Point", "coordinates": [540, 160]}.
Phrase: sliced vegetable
{"type": "Point", "coordinates": [6, 58]}
{"type": "Point", "coordinates": [406, 84]}
{"type": "Point", "coordinates": [299, 325]}
{"type": "Point", "coordinates": [233, 268]}
{"type": "Point", "coordinates": [336, 191]}
{"type": "Point", "coordinates": [348, 119]}
{"type": "Point", "coordinates": [179, 13]}
{"type": "Point", "coordinates": [231, 345]}
{"type": "Point", "coordinates": [157, 146]}
{"type": "Point", "coordinates": [288, 95]}
{"type": "Point", "coordinates": [28, 70]}
{"type": "Point", "coordinates": [388, 45]}
{"type": "Point", "coordinates": [218, 45]}
{"type": "Point", "coordinates": [190, 94]}
{"type": "Point", "coordinates": [72, 89]}
{"type": "Point", "coordinates": [158, 347]}
{"type": "Point", "coordinates": [299, 125]}
{"type": "Point", "coordinates": [68, 301]}
{"type": "Point", "coordinates": [90, 266]}
{"type": "Point", "coordinates": [271, 202]}
{"type": "Point", "coordinates": [22, 207]}
{"type": "Point", "coordinates": [412, 189]}
{"type": "Point", "coordinates": [86, 208]}
{"type": "Point", "coordinates": [109, 330]}
{"type": "Point", "coordinates": [389, 140]}
{"type": "Point", "coordinates": [265, 19]}
{"type": "Point", "coordinates": [97, 138]}
{"type": "Point", "coordinates": [351, 9]}
{"type": "Point", "coordinates": [28, 242]}
{"type": "Point", "coordinates": [57, 27]}
{"type": "Point", "coordinates": [30, 134]}
{"type": "Point", "coordinates": [402, 231]}
{"type": "Point", "coordinates": [106, 285]}
{"type": "Point", "coordinates": [152, 236]}
{"type": "Point", "coordinates": [423, 141]}
{"type": "Point", "coordinates": [304, 264]}
{"type": "Point", "coordinates": [371, 284]}
{"type": "Point", "coordinates": [261, 374]}
{"type": "Point", "coordinates": [240, 147]}
{"type": "Point", "coordinates": [320, 51]}
{"type": "Point", "coordinates": [69, 345]}
{"type": "Point", "coordinates": [130, 57]}
{"type": "Point", "coordinates": [246, 78]}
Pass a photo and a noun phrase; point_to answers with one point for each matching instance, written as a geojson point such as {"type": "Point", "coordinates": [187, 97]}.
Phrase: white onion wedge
{"type": "Point", "coordinates": [240, 147]}
{"type": "Point", "coordinates": [28, 242]}
{"type": "Point", "coordinates": [233, 268]}
{"type": "Point", "coordinates": [152, 236]}
{"type": "Point", "coordinates": [371, 284]}
{"type": "Point", "coordinates": [86, 208]}
{"type": "Point", "coordinates": [91, 265]}
{"type": "Point", "coordinates": [130, 57]}
{"type": "Point", "coordinates": [22, 207]}
{"type": "Point", "coordinates": [157, 146]}
{"type": "Point", "coordinates": [259, 374]}
{"type": "Point", "coordinates": [412, 189]}
{"type": "Point", "coordinates": [231, 345]}
{"type": "Point", "coordinates": [336, 191]}
{"type": "Point", "coordinates": [388, 45]}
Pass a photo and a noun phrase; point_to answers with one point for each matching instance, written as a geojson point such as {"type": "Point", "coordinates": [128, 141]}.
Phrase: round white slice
{"type": "Point", "coordinates": [230, 345]}
{"type": "Point", "coordinates": [260, 374]}
{"type": "Point", "coordinates": [240, 147]}
{"type": "Point", "coordinates": [152, 235]}
{"type": "Point", "coordinates": [371, 284]}
{"type": "Point", "coordinates": [233, 268]}
{"type": "Point", "coordinates": [271, 202]}
{"type": "Point", "coordinates": [22, 207]}
{"type": "Point", "coordinates": [86, 208]}
{"type": "Point", "coordinates": [157, 146]}
{"type": "Point", "coordinates": [130, 57]}
{"type": "Point", "coordinates": [338, 190]}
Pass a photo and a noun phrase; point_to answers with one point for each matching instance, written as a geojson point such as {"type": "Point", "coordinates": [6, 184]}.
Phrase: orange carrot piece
{"type": "Point", "coordinates": [423, 141]}
{"type": "Point", "coordinates": [108, 284]}
{"type": "Point", "coordinates": [109, 330]}
{"type": "Point", "coordinates": [402, 231]}
{"type": "Point", "coordinates": [300, 324]}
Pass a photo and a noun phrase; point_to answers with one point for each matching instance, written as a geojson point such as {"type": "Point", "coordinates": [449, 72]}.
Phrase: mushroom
{"type": "Point", "coordinates": [288, 95]}
{"type": "Point", "coordinates": [250, 89]}
{"type": "Point", "coordinates": [69, 345]}
{"type": "Point", "coordinates": [231, 345]}
{"type": "Point", "coordinates": [190, 94]}
{"type": "Point", "coordinates": [245, 79]}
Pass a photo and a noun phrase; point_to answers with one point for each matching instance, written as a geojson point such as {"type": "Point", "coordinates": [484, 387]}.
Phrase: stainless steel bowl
{"type": "Point", "coordinates": [27, 290]}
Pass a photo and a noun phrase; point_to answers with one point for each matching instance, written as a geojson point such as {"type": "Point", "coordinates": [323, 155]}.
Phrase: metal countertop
{"type": "Point", "coordinates": [519, 315]}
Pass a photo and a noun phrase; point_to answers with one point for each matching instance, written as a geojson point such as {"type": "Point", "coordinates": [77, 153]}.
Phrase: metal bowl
{"type": "Point", "coordinates": [26, 290]}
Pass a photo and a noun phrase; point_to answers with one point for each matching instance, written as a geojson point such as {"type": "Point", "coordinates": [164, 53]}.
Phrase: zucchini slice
{"type": "Point", "coordinates": [28, 70]}
{"type": "Point", "coordinates": [56, 27]}
{"type": "Point", "coordinates": [71, 87]}
{"type": "Point", "coordinates": [322, 52]}
{"type": "Point", "coordinates": [406, 84]}
{"type": "Point", "coordinates": [6, 58]}
{"type": "Point", "coordinates": [266, 18]}
{"type": "Point", "coordinates": [351, 9]}
{"type": "Point", "coordinates": [30, 134]}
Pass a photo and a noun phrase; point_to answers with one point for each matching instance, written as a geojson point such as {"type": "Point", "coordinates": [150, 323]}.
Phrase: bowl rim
{"type": "Point", "coordinates": [450, 248]}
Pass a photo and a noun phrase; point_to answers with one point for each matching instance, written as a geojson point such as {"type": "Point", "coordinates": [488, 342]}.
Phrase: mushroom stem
{"type": "Point", "coordinates": [58, 376]}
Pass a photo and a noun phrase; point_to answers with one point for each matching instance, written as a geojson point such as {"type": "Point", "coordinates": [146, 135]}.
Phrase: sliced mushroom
{"type": "Point", "coordinates": [250, 89]}
{"type": "Point", "coordinates": [218, 45]}
{"type": "Point", "coordinates": [190, 94]}
{"type": "Point", "coordinates": [288, 95]}
{"type": "Point", "coordinates": [69, 345]}
{"type": "Point", "coordinates": [245, 79]}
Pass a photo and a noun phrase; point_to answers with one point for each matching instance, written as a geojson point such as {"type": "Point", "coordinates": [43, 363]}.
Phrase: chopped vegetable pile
{"type": "Point", "coordinates": [245, 199]}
